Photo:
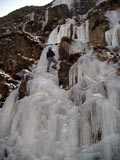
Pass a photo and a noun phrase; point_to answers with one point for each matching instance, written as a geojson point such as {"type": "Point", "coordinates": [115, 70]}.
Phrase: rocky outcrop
{"type": "Point", "coordinates": [67, 60]}
{"type": "Point", "coordinates": [98, 25]}
{"type": "Point", "coordinates": [22, 91]}
{"type": "Point", "coordinates": [7, 84]}
{"type": "Point", "coordinates": [17, 53]}
{"type": "Point", "coordinates": [81, 7]}
{"type": "Point", "coordinates": [64, 48]}
{"type": "Point", "coordinates": [57, 15]}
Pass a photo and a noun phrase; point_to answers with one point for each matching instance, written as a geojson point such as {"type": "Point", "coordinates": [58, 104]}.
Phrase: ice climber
{"type": "Point", "coordinates": [50, 58]}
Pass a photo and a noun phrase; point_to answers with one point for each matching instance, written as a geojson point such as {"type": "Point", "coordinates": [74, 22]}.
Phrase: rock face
{"type": "Point", "coordinates": [56, 16]}
{"type": "Point", "coordinates": [17, 53]}
{"type": "Point", "coordinates": [77, 7]}
{"type": "Point", "coordinates": [23, 86]}
{"type": "Point", "coordinates": [98, 25]}
{"type": "Point", "coordinates": [81, 7]}
{"type": "Point", "coordinates": [6, 85]}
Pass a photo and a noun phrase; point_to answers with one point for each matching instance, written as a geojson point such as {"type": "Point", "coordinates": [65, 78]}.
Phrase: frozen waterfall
{"type": "Point", "coordinates": [70, 30]}
{"type": "Point", "coordinates": [96, 90]}
{"type": "Point", "coordinates": [42, 125]}
{"type": "Point", "coordinates": [53, 124]}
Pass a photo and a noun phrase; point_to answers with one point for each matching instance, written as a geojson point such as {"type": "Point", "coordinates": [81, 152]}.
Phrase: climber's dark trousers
{"type": "Point", "coordinates": [51, 59]}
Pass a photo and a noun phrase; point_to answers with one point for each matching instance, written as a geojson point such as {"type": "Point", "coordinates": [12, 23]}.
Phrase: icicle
{"type": "Point", "coordinates": [108, 37]}
{"type": "Point", "coordinates": [32, 15]}
{"type": "Point", "coordinates": [8, 113]}
{"type": "Point", "coordinates": [115, 41]}
{"type": "Point", "coordinates": [46, 19]}
{"type": "Point", "coordinates": [74, 31]}
{"type": "Point", "coordinates": [112, 34]}
{"type": "Point", "coordinates": [83, 32]}
{"type": "Point", "coordinates": [87, 30]}
{"type": "Point", "coordinates": [46, 16]}
{"type": "Point", "coordinates": [53, 37]}
{"type": "Point", "coordinates": [63, 32]}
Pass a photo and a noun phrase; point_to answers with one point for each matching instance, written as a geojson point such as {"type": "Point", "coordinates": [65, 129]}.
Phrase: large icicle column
{"type": "Point", "coordinates": [95, 89]}
{"type": "Point", "coordinates": [112, 35]}
{"type": "Point", "coordinates": [70, 30]}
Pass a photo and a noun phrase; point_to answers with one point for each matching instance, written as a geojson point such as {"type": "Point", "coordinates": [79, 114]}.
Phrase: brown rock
{"type": "Point", "coordinates": [22, 92]}
{"type": "Point", "coordinates": [63, 74]}
{"type": "Point", "coordinates": [67, 61]}
{"type": "Point", "coordinates": [118, 71]}
{"type": "Point", "coordinates": [18, 54]}
{"type": "Point", "coordinates": [6, 84]}
{"type": "Point", "coordinates": [55, 15]}
{"type": "Point", "coordinates": [64, 48]}
{"type": "Point", "coordinates": [98, 27]}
